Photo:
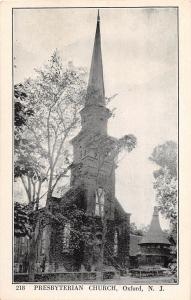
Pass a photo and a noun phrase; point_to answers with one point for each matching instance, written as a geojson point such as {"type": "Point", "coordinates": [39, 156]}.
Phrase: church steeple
{"type": "Point", "coordinates": [94, 119]}
{"type": "Point", "coordinates": [95, 90]}
{"type": "Point", "coordinates": [94, 115]}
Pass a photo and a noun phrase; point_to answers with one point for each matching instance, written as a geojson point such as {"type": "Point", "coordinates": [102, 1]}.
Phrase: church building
{"type": "Point", "coordinates": [92, 190]}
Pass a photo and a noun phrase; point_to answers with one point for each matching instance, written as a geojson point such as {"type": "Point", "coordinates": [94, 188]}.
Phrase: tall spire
{"type": "Point", "coordinates": [95, 90]}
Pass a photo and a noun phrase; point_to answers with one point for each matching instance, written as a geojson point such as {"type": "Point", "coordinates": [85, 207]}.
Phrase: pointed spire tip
{"type": "Point", "coordinates": [98, 16]}
{"type": "Point", "coordinates": [95, 89]}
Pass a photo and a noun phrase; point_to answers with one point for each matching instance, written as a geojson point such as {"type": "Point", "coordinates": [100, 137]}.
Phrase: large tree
{"type": "Point", "coordinates": [42, 156]}
{"type": "Point", "coordinates": [165, 180]}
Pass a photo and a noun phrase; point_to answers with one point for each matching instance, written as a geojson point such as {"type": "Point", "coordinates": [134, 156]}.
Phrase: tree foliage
{"type": "Point", "coordinates": [141, 230]}
{"type": "Point", "coordinates": [165, 183]}
{"type": "Point", "coordinates": [21, 112]}
{"type": "Point", "coordinates": [22, 224]}
{"type": "Point", "coordinates": [55, 97]}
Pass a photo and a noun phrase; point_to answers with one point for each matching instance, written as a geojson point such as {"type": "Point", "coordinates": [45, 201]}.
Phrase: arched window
{"type": "Point", "coordinates": [66, 236]}
{"type": "Point", "coordinates": [116, 244]}
{"type": "Point", "coordinates": [100, 202]}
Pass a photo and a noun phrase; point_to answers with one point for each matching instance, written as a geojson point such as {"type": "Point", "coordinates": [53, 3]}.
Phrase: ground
{"type": "Point", "coordinates": [147, 280]}
{"type": "Point", "coordinates": [129, 280]}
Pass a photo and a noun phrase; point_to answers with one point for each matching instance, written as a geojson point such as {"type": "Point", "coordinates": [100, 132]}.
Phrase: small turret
{"type": "Point", "coordinates": [155, 247]}
{"type": "Point", "coordinates": [155, 235]}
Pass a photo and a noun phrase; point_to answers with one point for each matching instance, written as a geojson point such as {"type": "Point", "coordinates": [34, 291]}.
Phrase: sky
{"type": "Point", "coordinates": [139, 49]}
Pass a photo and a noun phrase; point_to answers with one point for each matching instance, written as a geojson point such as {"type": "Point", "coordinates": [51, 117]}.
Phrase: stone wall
{"type": "Point", "coordinates": [87, 255]}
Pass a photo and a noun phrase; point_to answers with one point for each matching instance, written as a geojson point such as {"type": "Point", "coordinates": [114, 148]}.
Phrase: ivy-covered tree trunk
{"type": "Point", "coordinates": [32, 257]}
{"type": "Point", "coordinates": [101, 262]}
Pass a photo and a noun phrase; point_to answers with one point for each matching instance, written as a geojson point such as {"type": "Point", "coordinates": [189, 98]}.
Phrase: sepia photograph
{"type": "Point", "coordinates": [95, 158]}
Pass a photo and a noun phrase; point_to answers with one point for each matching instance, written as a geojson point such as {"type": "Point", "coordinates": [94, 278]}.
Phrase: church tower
{"type": "Point", "coordinates": [92, 168]}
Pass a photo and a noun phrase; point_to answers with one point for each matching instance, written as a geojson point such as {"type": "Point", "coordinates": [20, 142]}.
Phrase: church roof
{"type": "Point", "coordinates": [119, 207]}
{"type": "Point", "coordinates": [95, 90]}
{"type": "Point", "coordinates": [155, 235]}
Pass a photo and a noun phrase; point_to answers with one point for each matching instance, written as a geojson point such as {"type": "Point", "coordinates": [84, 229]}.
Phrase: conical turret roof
{"type": "Point", "coordinates": [155, 235]}
{"type": "Point", "coordinates": [95, 90]}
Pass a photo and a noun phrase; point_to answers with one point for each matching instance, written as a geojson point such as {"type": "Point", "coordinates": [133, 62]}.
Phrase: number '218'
{"type": "Point", "coordinates": [20, 287]}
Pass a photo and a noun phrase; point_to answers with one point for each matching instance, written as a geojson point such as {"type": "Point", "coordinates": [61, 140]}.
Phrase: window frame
{"type": "Point", "coordinates": [100, 207]}
{"type": "Point", "coordinates": [66, 235]}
